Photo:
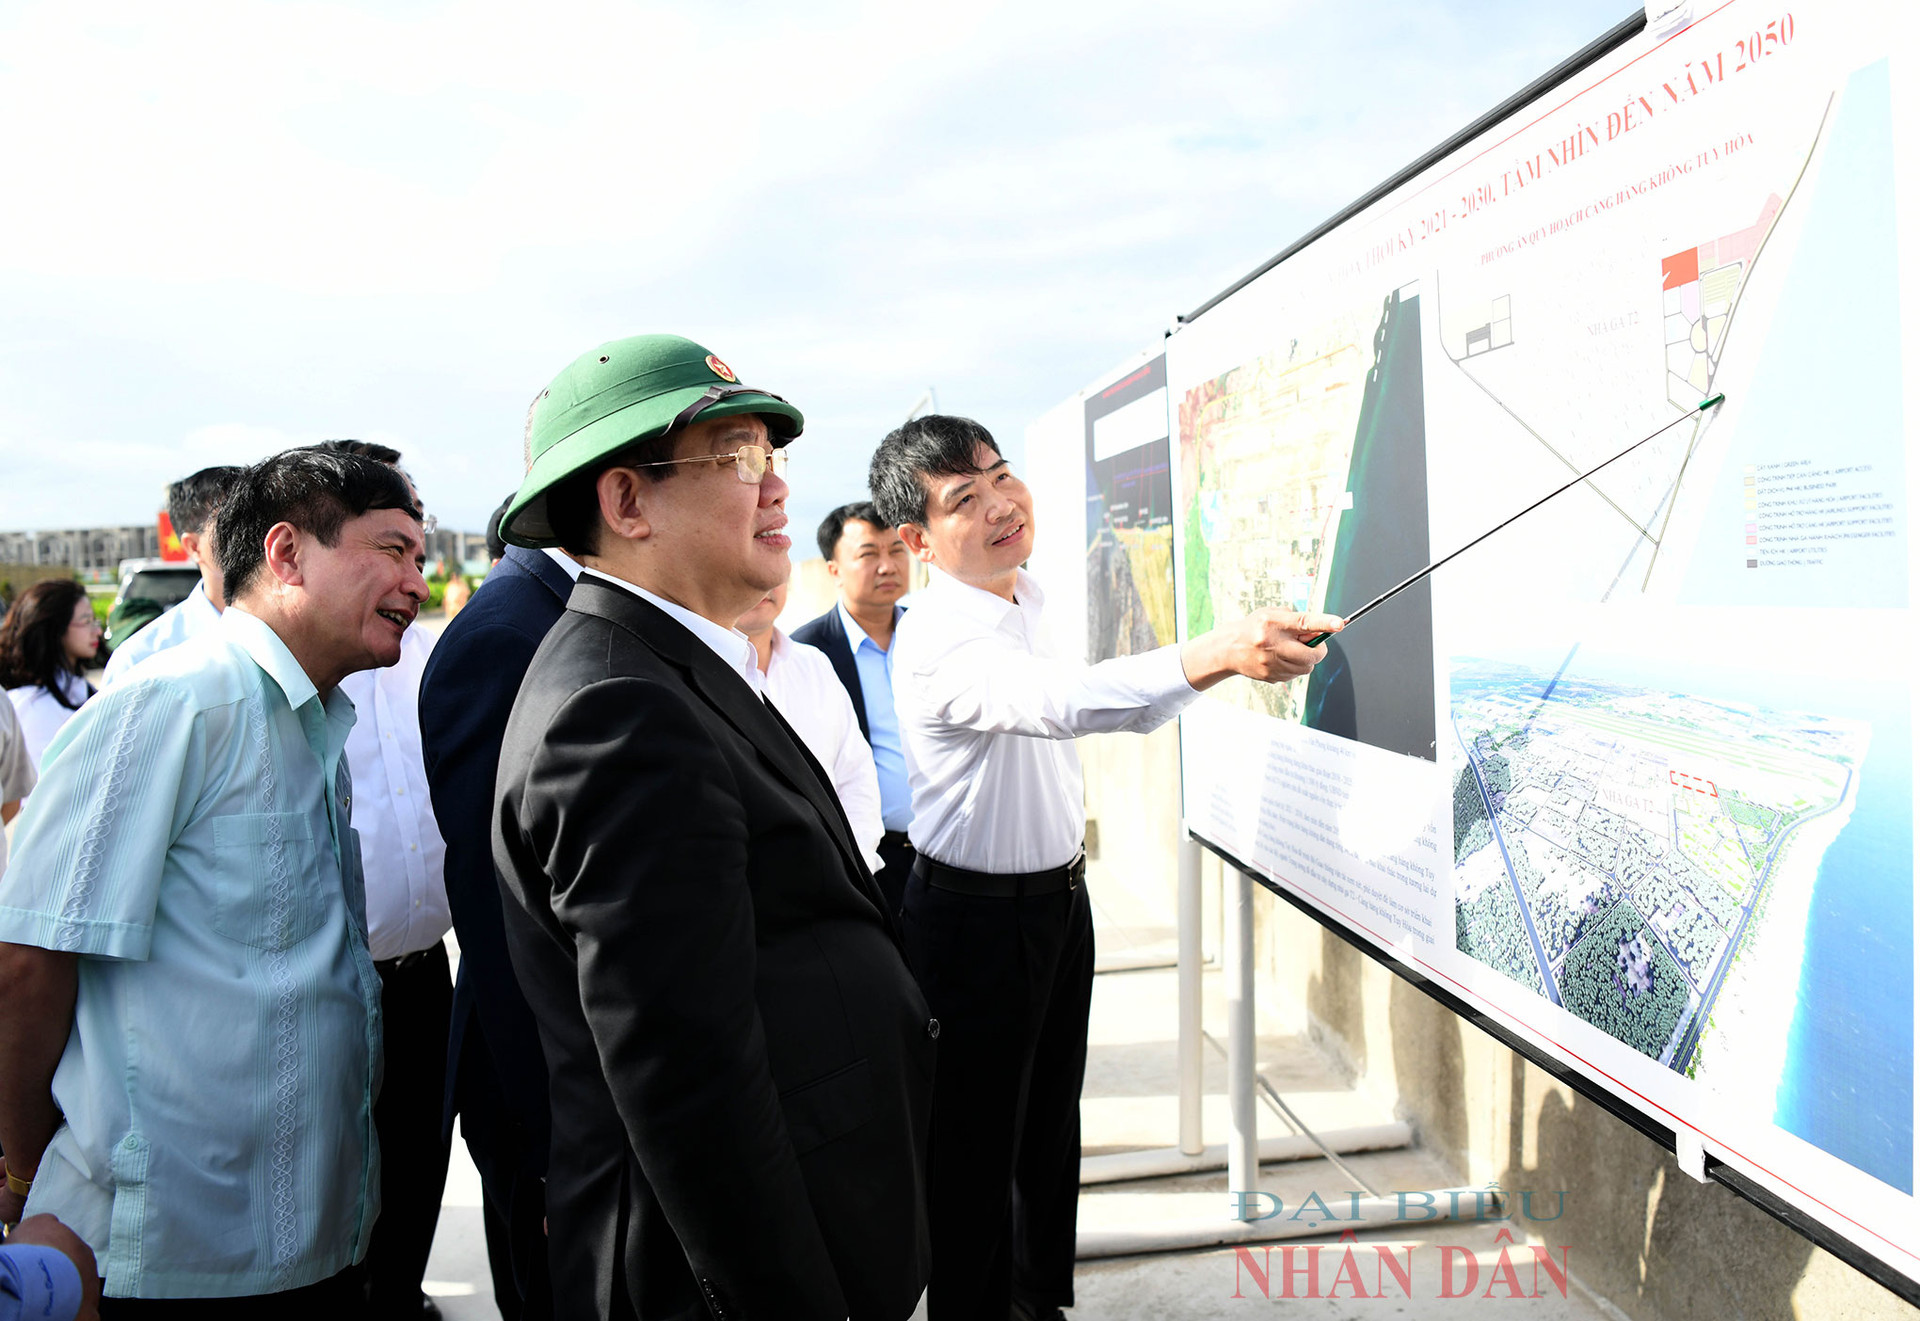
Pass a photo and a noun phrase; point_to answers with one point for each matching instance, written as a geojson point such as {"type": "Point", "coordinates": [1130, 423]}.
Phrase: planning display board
{"type": "Point", "coordinates": [1633, 780]}
{"type": "Point", "coordinates": [1129, 513]}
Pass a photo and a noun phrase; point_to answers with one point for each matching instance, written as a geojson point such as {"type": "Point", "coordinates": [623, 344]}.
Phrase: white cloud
{"type": "Point", "coordinates": [237, 223]}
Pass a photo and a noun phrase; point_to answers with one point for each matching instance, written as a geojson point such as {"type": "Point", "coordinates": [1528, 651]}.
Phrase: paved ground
{"type": "Point", "coordinates": [457, 1273]}
{"type": "Point", "coordinates": [1130, 1103]}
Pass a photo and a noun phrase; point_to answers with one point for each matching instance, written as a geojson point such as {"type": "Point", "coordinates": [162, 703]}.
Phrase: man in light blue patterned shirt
{"type": "Point", "coordinates": [192, 1048]}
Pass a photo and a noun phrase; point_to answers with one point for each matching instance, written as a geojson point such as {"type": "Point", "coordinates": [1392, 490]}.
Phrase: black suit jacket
{"type": "Point", "coordinates": [740, 1062]}
{"type": "Point", "coordinates": [829, 635]}
{"type": "Point", "coordinates": [496, 1076]}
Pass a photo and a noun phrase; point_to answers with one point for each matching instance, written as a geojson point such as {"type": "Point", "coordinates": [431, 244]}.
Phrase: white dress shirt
{"type": "Point", "coordinates": [42, 715]}
{"type": "Point", "coordinates": [401, 851]}
{"type": "Point", "coordinates": [802, 684]}
{"type": "Point", "coordinates": [175, 625]}
{"type": "Point", "coordinates": [17, 774]}
{"type": "Point", "coordinates": [987, 718]}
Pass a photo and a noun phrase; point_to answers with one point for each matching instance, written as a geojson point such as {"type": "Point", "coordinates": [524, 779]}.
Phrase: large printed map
{"type": "Point", "coordinates": [1613, 845]}
{"type": "Point", "coordinates": [1262, 516]}
{"type": "Point", "coordinates": [1668, 715]}
{"type": "Point", "coordinates": [1304, 473]}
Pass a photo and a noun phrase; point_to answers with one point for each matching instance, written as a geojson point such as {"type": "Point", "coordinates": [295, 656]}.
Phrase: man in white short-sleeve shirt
{"type": "Point", "coordinates": [193, 506]}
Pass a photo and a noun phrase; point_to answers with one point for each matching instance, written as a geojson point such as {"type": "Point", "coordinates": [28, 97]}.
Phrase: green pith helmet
{"type": "Point", "coordinates": [616, 396]}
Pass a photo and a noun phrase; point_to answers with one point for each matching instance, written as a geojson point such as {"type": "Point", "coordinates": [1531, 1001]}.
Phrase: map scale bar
{"type": "Point", "coordinates": [1402, 586]}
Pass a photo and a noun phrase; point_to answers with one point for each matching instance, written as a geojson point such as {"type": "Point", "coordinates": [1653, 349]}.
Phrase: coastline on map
{"type": "Point", "coordinates": [1744, 1048]}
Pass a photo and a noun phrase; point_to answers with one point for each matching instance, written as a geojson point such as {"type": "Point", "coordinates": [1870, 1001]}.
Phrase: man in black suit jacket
{"type": "Point", "coordinates": [740, 1062]}
{"type": "Point", "coordinates": [871, 571]}
{"type": "Point", "coordinates": [496, 1075]}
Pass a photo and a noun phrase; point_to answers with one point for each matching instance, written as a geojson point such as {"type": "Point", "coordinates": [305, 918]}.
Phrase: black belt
{"type": "Point", "coordinates": [412, 960]}
{"type": "Point", "coordinates": [1001, 885]}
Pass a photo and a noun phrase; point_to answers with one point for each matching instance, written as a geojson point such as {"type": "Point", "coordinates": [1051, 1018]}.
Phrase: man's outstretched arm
{"type": "Point", "coordinates": [1269, 645]}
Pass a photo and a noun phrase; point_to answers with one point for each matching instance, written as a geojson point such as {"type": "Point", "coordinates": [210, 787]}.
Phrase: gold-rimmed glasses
{"type": "Point", "coordinates": [750, 462]}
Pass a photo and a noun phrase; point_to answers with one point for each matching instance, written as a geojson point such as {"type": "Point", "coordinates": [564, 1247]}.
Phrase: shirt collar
{"type": "Point", "coordinates": [855, 634]}
{"type": "Point", "coordinates": [254, 636]}
{"type": "Point", "coordinates": [198, 602]}
{"type": "Point", "coordinates": [782, 648]}
{"type": "Point", "coordinates": [729, 644]}
{"type": "Point", "coordinates": [979, 604]}
{"type": "Point", "coordinates": [573, 567]}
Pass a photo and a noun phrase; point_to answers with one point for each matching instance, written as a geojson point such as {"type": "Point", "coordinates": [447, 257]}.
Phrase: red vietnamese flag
{"type": "Point", "coordinates": [170, 548]}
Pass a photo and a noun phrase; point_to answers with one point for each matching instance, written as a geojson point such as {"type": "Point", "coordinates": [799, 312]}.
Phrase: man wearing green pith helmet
{"type": "Point", "coordinates": [740, 1063]}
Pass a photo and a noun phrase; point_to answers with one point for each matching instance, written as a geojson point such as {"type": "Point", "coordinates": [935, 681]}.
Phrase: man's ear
{"type": "Point", "coordinates": [623, 503]}
{"type": "Point", "coordinates": [190, 543]}
{"type": "Point", "coordinates": [283, 546]}
{"type": "Point", "coordinates": [915, 535]}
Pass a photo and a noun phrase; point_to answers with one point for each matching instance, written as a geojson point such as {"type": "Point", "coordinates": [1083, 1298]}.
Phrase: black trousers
{"type": "Point", "coordinates": [1011, 981]}
{"type": "Point", "coordinates": [416, 1004]}
{"type": "Point", "coordinates": [896, 863]}
{"type": "Point", "coordinates": [337, 1299]}
{"type": "Point", "coordinates": [514, 1202]}
{"type": "Point", "coordinates": [515, 1221]}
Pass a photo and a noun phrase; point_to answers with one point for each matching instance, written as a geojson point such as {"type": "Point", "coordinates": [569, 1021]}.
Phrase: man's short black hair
{"type": "Point", "coordinates": [366, 449]}
{"type": "Point", "coordinates": [573, 507]}
{"type": "Point", "coordinates": [317, 489]}
{"type": "Point", "coordinates": [497, 544]}
{"type": "Point", "coordinates": [859, 511]}
{"type": "Point", "coordinates": [936, 445]}
{"type": "Point", "coordinates": [193, 501]}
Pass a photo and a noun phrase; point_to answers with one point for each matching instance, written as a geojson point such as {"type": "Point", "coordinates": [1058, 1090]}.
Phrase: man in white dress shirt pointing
{"type": "Point", "coordinates": [997, 925]}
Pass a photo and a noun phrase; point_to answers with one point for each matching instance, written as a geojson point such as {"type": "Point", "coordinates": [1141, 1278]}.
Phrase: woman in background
{"type": "Point", "coordinates": [46, 643]}
{"type": "Point", "coordinates": [17, 775]}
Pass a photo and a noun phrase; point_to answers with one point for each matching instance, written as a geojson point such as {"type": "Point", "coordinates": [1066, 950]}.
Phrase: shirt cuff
{"type": "Point", "coordinates": [44, 1283]}
{"type": "Point", "coordinates": [1174, 692]}
{"type": "Point", "coordinates": [107, 940]}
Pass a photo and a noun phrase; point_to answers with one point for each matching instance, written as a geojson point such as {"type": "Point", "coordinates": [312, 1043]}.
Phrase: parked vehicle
{"type": "Point", "coordinates": [147, 588]}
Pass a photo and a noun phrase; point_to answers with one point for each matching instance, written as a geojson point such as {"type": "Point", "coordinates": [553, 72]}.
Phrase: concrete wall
{"type": "Point", "coordinates": [1647, 1239]}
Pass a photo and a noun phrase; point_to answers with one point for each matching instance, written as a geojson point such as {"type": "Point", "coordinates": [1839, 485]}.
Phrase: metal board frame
{"type": "Point", "coordinates": [1717, 1171]}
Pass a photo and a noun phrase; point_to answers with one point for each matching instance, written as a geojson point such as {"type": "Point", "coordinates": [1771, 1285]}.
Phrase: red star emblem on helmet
{"type": "Point", "coordinates": [720, 369]}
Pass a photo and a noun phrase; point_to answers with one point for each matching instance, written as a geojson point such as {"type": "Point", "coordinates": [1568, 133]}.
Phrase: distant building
{"type": "Point", "coordinates": [457, 552]}
{"type": "Point", "coordinates": [93, 553]}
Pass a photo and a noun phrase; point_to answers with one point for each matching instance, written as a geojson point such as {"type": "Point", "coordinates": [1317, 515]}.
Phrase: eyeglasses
{"type": "Point", "coordinates": [750, 462]}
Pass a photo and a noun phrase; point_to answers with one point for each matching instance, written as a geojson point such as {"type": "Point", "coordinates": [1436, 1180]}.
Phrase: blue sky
{"type": "Point", "coordinates": [237, 226]}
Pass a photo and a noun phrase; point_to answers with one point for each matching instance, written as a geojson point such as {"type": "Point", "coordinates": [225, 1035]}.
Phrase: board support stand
{"type": "Point", "coordinates": [1192, 1063]}
{"type": "Point", "coordinates": [1248, 1222]}
{"type": "Point", "coordinates": [1243, 1138]}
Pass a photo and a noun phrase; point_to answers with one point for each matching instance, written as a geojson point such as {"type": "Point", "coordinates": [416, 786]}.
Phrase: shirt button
{"type": "Point", "coordinates": [402, 792]}
{"type": "Point", "coordinates": [933, 1029]}
{"type": "Point", "coordinates": [412, 847]}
